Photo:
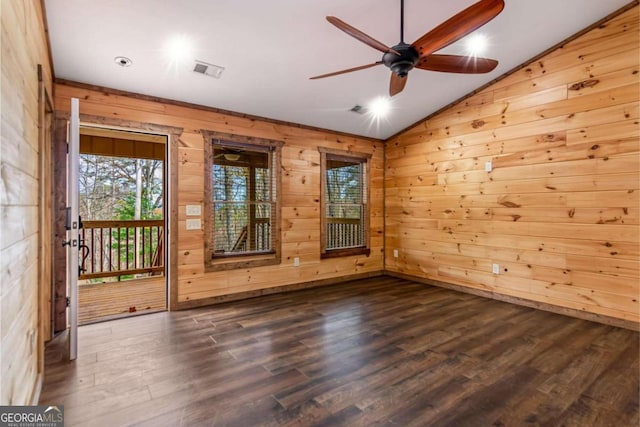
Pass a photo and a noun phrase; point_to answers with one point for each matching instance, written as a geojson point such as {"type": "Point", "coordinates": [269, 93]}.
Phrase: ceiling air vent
{"type": "Point", "coordinates": [211, 70]}
{"type": "Point", "coordinates": [358, 109]}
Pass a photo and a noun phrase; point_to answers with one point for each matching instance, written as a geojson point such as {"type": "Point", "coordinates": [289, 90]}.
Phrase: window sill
{"type": "Point", "coordinates": [242, 261]}
{"type": "Point", "coordinates": [336, 253]}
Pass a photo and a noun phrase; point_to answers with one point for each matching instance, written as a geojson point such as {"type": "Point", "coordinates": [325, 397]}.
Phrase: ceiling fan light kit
{"type": "Point", "coordinates": [403, 57]}
{"type": "Point", "coordinates": [232, 157]}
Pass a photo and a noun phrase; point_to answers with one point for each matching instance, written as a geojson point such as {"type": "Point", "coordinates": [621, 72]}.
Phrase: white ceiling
{"type": "Point", "coordinates": [269, 49]}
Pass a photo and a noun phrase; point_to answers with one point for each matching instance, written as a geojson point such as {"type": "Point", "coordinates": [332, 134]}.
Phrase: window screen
{"type": "Point", "coordinates": [345, 202]}
{"type": "Point", "coordinates": [345, 211]}
{"type": "Point", "coordinates": [244, 196]}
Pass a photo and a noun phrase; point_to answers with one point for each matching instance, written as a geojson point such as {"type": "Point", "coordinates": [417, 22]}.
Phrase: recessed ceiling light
{"type": "Point", "coordinates": [380, 107]}
{"type": "Point", "coordinates": [123, 61]}
{"type": "Point", "coordinates": [477, 44]}
{"type": "Point", "coordinates": [179, 48]}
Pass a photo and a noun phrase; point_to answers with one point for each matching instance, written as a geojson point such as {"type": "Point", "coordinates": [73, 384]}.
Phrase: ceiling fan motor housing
{"type": "Point", "coordinates": [403, 63]}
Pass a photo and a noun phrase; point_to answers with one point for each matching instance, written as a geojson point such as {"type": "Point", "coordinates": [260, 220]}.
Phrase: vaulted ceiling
{"type": "Point", "coordinates": [269, 49]}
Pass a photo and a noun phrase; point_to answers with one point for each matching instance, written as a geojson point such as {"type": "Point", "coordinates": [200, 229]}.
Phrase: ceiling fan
{"type": "Point", "coordinates": [403, 57]}
{"type": "Point", "coordinates": [230, 155]}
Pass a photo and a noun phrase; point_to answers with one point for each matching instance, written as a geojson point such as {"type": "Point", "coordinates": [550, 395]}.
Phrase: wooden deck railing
{"type": "Point", "coordinates": [133, 247]}
{"type": "Point", "coordinates": [258, 240]}
{"type": "Point", "coordinates": [120, 248]}
{"type": "Point", "coordinates": [344, 233]}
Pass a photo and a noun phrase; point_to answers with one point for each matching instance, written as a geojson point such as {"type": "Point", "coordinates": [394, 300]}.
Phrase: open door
{"type": "Point", "coordinates": [122, 205]}
{"type": "Point", "coordinates": [73, 225]}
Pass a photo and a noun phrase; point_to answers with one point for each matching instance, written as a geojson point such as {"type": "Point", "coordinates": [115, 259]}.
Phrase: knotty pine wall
{"type": "Point", "coordinates": [559, 211]}
{"type": "Point", "coordinates": [23, 48]}
{"type": "Point", "coordinates": [300, 219]}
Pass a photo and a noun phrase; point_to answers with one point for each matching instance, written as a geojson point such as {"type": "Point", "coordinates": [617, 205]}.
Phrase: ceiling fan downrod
{"type": "Point", "coordinates": [401, 21]}
{"type": "Point", "coordinates": [406, 57]}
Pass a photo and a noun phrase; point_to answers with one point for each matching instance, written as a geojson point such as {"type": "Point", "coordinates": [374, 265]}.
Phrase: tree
{"type": "Point", "coordinates": [124, 189]}
{"type": "Point", "coordinates": [108, 187]}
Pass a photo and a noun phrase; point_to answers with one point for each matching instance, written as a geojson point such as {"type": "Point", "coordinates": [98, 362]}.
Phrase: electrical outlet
{"type": "Point", "coordinates": [395, 253]}
{"type": "Point", "coordinates": [496, 268]}
{"type": "Point", "coordinates": [488, 166]}
{"type": "Point", "coordinates": [296, 262]}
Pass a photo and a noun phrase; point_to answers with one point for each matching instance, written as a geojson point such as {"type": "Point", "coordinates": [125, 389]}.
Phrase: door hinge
{"type": "Point", "coordinates": [68, 302]}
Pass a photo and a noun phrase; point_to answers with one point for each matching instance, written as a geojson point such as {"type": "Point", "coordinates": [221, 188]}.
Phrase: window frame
{"type": "Point", "coordinates": [351, 156]}
{"type": "Point", "coordinates": [241, 260]}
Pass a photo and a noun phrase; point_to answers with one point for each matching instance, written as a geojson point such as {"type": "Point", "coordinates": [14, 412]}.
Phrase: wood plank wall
{"type": "Point", "coordinates": [300, 193]}
{"type": "Point", "coordinates": [559, 211]}
{"type": "Point", "coordinates": [23, 48]}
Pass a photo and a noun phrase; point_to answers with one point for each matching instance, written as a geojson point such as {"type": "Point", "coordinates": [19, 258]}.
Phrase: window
{"type": "Point", "coordinates": [243, 215]}
{"type": "Point", "coordinates": [344, 203]}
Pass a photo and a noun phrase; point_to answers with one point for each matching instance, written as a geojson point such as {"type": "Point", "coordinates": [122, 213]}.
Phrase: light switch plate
{"type": "Point", "coordinates": [194, 224]}
{"type": "Point", "coordinates": [193, 210]}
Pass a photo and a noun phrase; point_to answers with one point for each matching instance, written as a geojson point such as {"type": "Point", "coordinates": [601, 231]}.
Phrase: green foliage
{"type": "Point", "coordinates": [108, 190]}
{"type": "Point", "coordinates": [108, 187]}
{"type": "Point", "coordinates": [125, 208]}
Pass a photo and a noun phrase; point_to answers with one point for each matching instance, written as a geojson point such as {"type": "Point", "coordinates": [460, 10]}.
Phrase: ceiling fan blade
{"type": "Point", "coordinates": [397, 83]}
{"type": "Point", "coordinates": [458, 26]}
{"type": "Point", "coordinates": [457, 64]}
{"type": "Point", "coordinates": [355, 33]}
{"type": "Point", "coordinates": [335, 73]}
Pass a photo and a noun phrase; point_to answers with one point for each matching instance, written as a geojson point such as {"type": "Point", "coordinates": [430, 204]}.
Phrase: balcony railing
{"type": "Point", "coordinates": [344, 233]}
{"type": "Point", "coordinates": [121, 248]}
{"type": "Point", "coordinates": [259, 240]}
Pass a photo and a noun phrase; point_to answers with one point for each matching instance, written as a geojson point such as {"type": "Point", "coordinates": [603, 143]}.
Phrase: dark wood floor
{"type": "Point", "coordinates": [376, 352]}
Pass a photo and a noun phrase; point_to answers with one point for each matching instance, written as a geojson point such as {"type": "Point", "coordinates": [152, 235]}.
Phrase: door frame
{"type": "Point", "coordinates": [45, 236]}
{"type": "Point", "coordinates": [128, 134]}
{"type": "Point", "coordinates": [173, 134]}
{"type": "Point", "coordinates": [59, 292]}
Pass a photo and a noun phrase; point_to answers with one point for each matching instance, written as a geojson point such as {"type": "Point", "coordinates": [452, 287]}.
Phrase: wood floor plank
{"type": "Point", "coordinates": [374, 352]}
{"type": "Point", "coordinates": [586, 412]}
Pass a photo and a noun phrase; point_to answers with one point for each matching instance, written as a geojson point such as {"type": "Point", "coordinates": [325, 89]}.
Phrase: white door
{"type": "Point", "coordinates": [73, 225]}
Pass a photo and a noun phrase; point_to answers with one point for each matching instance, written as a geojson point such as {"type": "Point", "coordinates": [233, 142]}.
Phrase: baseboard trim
{"type": "Point", "coordinates": [593, 317]}
{"type": "Point", "coordinates": [185, 305]}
